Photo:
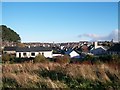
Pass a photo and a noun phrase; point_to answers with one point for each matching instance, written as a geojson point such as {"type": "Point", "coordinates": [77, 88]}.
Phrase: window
{"type": "Point", "coordinates": [32, 54]}
{"type": "Point", "coordinates": [20, 55]}
{"type": "Point", "coordinates": [5, 52]}
{"type": "Point", "coordinates": [39, 53]}
{"type": "Point", "coordinates": [42, 53]}
{"type": "Point", "coordinates": [24, 54]}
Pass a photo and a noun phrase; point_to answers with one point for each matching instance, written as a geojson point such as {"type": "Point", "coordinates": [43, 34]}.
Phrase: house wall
{"type": "Point", "coordinates": [55, 55]}
{"type": "Point", "coordinates": [113, 52]}
{"type": "Point", "coordinates": [9, 52]}
{"type": "Point", "coordinates": [27, 54]}
{"type": "Point", "coordinates": [74, 54]}
{"type": "Point", "coordinates": [47, 54]}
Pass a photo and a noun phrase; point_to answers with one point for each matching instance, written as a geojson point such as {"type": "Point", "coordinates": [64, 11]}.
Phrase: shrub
{"type": "Point", "coordinates": [5, 58]}
{"type": "Point", "coordinates": [62, 59]}
{"type": "Point", "coordinates": [88, 58]}
{"type": "Point", "coordinates": [105, 58]}
{"type": "Point", "coordinates": [39, 58]}
{"type": "Point", "coordinates": [110, 58]}
{"type": "Point", "coordinates": [115, 58]}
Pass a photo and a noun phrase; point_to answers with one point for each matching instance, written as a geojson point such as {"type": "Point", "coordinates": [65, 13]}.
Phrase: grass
{"type": "Point", "coordinates": [55, 75]}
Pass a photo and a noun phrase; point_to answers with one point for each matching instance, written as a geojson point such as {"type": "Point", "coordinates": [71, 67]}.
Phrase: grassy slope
{"type": "Point", "coordinates": [54, 75]}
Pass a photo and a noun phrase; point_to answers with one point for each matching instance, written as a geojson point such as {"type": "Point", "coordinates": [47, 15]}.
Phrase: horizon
{"type": "Point", "coordinates": [63, 21]}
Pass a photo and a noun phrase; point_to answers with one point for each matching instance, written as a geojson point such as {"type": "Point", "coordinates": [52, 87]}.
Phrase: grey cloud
{"type": "Point", "coordinates": [94, 37]}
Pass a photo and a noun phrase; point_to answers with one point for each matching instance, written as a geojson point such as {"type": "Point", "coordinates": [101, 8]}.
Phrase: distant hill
{"type": "Point", "coordinates": [9, 35]}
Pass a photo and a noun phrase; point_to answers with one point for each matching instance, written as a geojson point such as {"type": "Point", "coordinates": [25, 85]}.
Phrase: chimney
{"type": "Point", "coordinates": [95, 44]}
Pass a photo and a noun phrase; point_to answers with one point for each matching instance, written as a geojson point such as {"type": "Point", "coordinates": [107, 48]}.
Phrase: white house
{"type": "Point", "coordinates": [98, 50]}
{"type": "Point", "coordinates": [27, 52]}
{"type": "Point", "coordinates": [73, 54]}
{"type": "Point", "coordinates": [56, 55]}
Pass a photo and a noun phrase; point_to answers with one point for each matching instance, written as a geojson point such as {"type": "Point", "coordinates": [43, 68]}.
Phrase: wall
{"type": "Point", "coordinates": [74, 54]}
{"type": "Point", "coordinates": [47, 54]}
{"type": "Point", "coordinates": [9, 52]}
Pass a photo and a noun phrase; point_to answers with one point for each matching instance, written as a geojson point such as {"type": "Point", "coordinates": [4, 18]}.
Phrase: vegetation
{"type": "Point", "coordinates": [63, 59]}
{"type": "Point", "coordinates": [55, 75]}
{"type": "Point", "coordinates": [39, 58]}
{"type": "Point", "coordinates": [9, 34]}
{"type": "Point", "coordinates": [5, 58]}
{"type": "Point", "coordinates": [101, 72]}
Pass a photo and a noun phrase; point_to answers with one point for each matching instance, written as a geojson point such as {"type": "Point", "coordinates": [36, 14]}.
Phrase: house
{"type": "Point", "coordinates": [73, 53]}
{"type": "Point", "coordinates": [57, 54]}
{"type": "Point", "coordinates": [27, 52]}
{"type": "Point", "coordinates": [10, 50]}
{"type": "Point", "coordinates": [115, 49]}
{"type": "Point", "coordinates": [84, 48]}
{"type": "Point", "coordinates": [98, 50]}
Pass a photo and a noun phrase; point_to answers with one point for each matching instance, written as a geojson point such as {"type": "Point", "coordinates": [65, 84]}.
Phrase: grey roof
{"type": "Point", "coordinates": [115, 48]}
{"type": "Point", "coordinates": [32, 49]}
{"type": "Point", "coordinates": [10, 48]}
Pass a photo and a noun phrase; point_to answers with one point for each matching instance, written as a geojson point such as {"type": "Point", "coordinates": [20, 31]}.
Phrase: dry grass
{"type": "Point", "coordinates": [28, 74]}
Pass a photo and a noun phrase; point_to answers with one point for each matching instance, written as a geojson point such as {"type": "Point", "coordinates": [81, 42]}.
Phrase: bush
{"type": "Point", "coordinates": [105, 58]}
{"type": "Point", "coordinates": [115, 58]}
{"type": "Point", "coordinates": [110, 58]}
{"type": "Point", "coordinates": [5, 58]}
{"type": "Point", "coordinates": [89, 58]}
{"type": "Point", "coordinates": [39, 58]}
{"type": "Point", "coordinates": [63, 59]}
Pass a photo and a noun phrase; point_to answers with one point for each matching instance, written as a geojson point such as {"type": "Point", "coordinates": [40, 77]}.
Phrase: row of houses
{"type": "Point", "coordinates": [27, 52]}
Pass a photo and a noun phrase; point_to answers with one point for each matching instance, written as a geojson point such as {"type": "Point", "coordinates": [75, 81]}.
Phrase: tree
{"type": "Point", "coordinates": [39, 58]}
{"type": "Point", "coordinates": [9, 34]}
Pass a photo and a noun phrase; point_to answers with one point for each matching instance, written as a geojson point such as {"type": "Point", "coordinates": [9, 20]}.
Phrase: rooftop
{"type": "Point", "coordinates": [33, 49]}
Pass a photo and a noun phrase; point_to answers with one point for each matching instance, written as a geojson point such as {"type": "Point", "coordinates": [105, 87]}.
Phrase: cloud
{"type": "Point", "coordinates": [94, 37]}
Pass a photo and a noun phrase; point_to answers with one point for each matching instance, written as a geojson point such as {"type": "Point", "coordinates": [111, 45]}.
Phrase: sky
{"type": "Point", "coordinates": [60, 0]}
{"type": "Point", "coordinates": [62, 21]}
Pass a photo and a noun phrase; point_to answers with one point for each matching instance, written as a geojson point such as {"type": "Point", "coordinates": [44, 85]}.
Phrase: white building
{"type": "Point", "coordinates": [73, 54]}
{"type": "Point", "coordinates": [10, 50]}
{"type": "Point", "coordinates": [27, 52]}
{"type": "Point", "coordinates": [56, 55]}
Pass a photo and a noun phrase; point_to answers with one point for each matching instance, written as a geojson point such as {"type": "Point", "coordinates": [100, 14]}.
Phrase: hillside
{"type": "Point", "coordinates": [9, 35]}
{"type": "Point", "coordinates": [54, 75]}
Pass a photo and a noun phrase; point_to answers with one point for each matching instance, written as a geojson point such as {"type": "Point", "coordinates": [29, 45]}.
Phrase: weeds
{"type": "Point", "coordinates": [54, 75]}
